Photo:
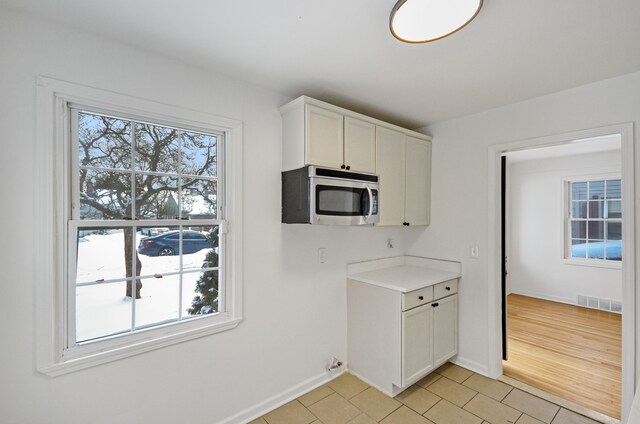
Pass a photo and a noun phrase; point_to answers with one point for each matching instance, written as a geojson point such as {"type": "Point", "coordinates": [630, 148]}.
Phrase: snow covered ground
{"type": "Point", "coordinates": [104, 309]}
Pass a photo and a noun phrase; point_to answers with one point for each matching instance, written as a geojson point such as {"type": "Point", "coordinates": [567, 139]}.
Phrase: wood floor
{"type": "Point", "coordinates": [569, 351]}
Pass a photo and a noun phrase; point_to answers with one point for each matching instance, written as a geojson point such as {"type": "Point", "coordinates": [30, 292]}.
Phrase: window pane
{"type": "Point", "coordinates": [614, 209]}
{"type": "Point", "coordinates": [596, 230]}
{"type": "Point", "coordinates": [579, 191]}
{"type": "Point", "coordinates": [156, 148]}
{"type": "Point", "coordinates": [614, 250]}
{"type": "Point", "coordinates": [159, 300]}
{"type": "Point", "coordinates": [200, 292]}
{"type": "Point", "coordinates": [156, 197]}
{"type": "Point", "coordinates": [158, 250]}
{"type": "Point", "coordinates": [579, 209]}
{"type": "Point", "coordinates": [104, 195]}
{"type": "Point", "coordinates": [101, 255]}
{"type": "Point", "coordinates": [596, 209]}
{"type": "Point", "coordinates": [578, 248]}
{"type": "Point", "coordinates": [102, 310]}
{"type": "Point", "coordinates": [200, 245]}
{"type": "Point", "coordinates": [595, 250]}
{"type": "Point", "coordinates": [103, 142]}
{"type": "Point", "coordinates": [614, 231]}
{"type": "Point", "coordinates": [596, 190]}
{"type": "Point", "coordinates": [579, 229]}
{"type": "Point", "coordinates": [199, 154]}
{"type": "Point", "coordinates": [199, 199]}
{"type": "Point", "coordinates": [614, 189]}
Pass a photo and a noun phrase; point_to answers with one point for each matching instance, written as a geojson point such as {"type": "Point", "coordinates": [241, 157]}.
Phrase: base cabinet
{"type": "Point", "coordinates": [445, 329]}
{"type": "Point", "coordinates": [417, 343]}
{"type": "Point", "coordinates": [394, 338]}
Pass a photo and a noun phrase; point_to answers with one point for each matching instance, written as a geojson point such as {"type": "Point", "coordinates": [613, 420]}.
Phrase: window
{"type": "Point", "coordinates": [595, 219]}
{"type": "Point", "coordinates": [137, 251]}
{"type": "Point", "coordinates": [130, 173]}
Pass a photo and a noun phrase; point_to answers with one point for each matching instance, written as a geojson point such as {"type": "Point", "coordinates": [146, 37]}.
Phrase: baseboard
{"type": "Point", "coordinates": [544, 296]}
{"type": "Point", "coordinates": [471, 365]}
{"type": "Point", "coordinates": [278, 400]}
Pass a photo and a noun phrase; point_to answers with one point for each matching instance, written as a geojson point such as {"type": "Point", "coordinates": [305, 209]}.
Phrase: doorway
{"type": "Point", "coordinates": [565, 141]}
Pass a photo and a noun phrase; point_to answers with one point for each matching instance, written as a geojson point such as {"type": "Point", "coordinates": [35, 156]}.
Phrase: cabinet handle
{"type": "Point", "coordinates": [342, 166]}
{"type": "Point", "coordinates": [348, 167]}
{"type": "Point", "coordinates": [421, 297]}
{"type": "Point", "coordinates": [435, 305]}
{"type": "Point", "coordinates": [447, 288]}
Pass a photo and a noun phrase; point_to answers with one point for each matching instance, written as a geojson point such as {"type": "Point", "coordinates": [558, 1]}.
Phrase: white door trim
{"type": "Point", "coordinates": [629, 293]}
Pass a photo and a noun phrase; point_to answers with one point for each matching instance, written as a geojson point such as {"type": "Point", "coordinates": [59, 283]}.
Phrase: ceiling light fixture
{"type": "Point", "coordinates": [422, 21]}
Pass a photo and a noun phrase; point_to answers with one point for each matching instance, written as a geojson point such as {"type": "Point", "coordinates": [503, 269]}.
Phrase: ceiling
{"type": "Point", "coordinates": [341, 51]}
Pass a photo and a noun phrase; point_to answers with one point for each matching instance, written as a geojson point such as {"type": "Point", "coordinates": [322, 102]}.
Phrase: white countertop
{"type": "Point", "coordinates": [404, 275]}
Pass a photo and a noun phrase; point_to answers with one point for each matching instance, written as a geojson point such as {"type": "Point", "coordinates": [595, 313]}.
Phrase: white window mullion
{"type": "Point", "coordinates": [180, 212]}
{"type": "Point", "coordinates": [70, 326]}
{"type": "Point", "coordinates": [133, 217]}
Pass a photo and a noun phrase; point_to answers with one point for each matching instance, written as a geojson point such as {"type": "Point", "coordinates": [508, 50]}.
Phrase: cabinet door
{"type": "Point", "coordinates": [418, 182]}
{"type": "Point", "coordinates": [324, 137]}
{"type": "Point", "coordinates": [417, 349]}
{"type": "Point", "coordinates": [359, 145]}
{"type": "Point", "coordinates": [445, 329]}
{"type": "Point", "coordinates": [390, 166]}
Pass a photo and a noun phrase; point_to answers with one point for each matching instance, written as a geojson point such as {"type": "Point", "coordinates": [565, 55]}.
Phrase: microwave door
{"type": "Point", "coordinates": [338, 202]}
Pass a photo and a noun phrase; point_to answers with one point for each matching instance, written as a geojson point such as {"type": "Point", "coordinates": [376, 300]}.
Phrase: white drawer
{"type": "Point", "coordinates": [445, 289]}
{"type": "Point", "coordinates": [417, 298]}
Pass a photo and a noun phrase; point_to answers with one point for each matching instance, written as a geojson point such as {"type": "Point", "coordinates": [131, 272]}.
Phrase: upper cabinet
{"type": "Point", "coordinates": [326, 136]}
{"type": "Point", "coordinates": [317, 133]}
{"type": "Point", "coordinates": [404, 165]}
{"type": "Point", "coordinates": [359, 145]}
{"type": "Point", "coordinates": [417, 200]}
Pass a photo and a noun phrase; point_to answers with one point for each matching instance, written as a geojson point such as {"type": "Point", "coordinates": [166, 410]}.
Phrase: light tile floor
{"type": "Point", "coordinates": [450, 395]}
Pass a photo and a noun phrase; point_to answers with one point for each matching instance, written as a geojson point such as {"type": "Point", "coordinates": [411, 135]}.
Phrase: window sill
{"type": "Point", "coordinates": [595, 263]}
{"type": "Point", "coordinates": [121, 349]}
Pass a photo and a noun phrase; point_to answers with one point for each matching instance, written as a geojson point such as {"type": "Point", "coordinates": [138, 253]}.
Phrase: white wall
{"type": "Point", "coordinates": [460, 183]}
{"type": "Point", "coordinates": [294, 308]}
{"type": "Point", "coordinates": [536, 202]}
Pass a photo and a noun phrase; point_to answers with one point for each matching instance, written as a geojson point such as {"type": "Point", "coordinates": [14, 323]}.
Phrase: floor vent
{"type": "Point", "coordinates": [597, 303]}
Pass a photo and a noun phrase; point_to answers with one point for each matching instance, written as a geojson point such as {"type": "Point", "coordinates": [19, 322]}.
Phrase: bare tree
{"type": "Point", "coordinates": [108, 165]}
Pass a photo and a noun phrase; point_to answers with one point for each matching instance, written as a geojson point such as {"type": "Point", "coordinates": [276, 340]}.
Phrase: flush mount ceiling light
{"type": "Point", "coordinates": [421, 21]}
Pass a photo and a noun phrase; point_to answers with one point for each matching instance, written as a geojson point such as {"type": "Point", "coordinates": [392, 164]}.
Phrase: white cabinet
{"type": "Point", "coordinates": [325, 136]}
{"type": "Point", "coordinates": [395, 338]}
{"type": "Point", "coordinates": [390, 167]}
{"type": "Point", "coordinates": [318, 133]}
{"type": "Point", "coordinates": [417, 200]}
{"type": "Point", "coordinates": [359, 145]}
{"type": "Point", "coordinates": [417, 347]}
{"type": "Point", "coordinates": [404, 165]}
{"type": "Point", "coordinates": [445, 329]}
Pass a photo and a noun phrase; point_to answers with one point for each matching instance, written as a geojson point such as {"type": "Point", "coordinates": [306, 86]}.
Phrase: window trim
{"type": "Point", "coordinates": [567, 259]}
{"type": "Point", "coordinates": [51, 199]}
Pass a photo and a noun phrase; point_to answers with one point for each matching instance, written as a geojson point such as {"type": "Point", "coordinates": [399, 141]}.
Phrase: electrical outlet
{"type": "Point", "coordinates": [322, 255]}
{"type": "Point", "coordinates": [391, 243]}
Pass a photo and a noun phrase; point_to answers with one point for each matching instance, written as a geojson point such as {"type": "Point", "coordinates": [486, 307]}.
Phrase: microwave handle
{"type": "Point", "coordinates": [370, 203]}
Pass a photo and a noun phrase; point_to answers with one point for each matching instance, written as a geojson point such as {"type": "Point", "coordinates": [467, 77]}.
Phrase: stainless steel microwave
{"type": "Point", "coordinates": [315, 195]}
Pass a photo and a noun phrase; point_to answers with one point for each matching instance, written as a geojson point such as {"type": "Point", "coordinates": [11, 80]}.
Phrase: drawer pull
{"type": "Point", "coordinates": [435, 305]}
{"type": "Point", "coordinates": [421, 297]}
{"type": "Point", "coordinates": [447, 288]}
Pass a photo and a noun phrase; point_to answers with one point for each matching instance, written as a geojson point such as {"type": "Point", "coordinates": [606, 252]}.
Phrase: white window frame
{"type": "Point", "coordinates": [55, 354]}
{"type": "Point", "coordinates": [566, 251]}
